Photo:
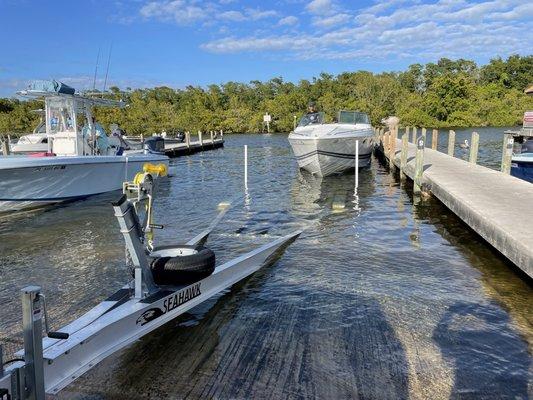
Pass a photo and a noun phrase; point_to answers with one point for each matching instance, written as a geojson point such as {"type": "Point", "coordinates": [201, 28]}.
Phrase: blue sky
{"type": "Point", "coordinates": [190, 42]}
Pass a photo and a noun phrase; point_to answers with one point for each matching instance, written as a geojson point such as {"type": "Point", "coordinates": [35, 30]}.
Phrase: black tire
{"type": "Point", "coordinates": [182, 269]}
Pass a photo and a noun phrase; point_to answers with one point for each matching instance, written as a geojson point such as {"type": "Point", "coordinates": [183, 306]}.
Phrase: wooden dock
{"type": "Point", "coordinates": [494, 204]}
{"type": "Point", "coordinates": [186, 148]}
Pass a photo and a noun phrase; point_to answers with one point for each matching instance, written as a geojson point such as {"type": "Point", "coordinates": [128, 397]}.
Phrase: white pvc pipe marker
{"type": "Point", "coordinates": [356, 164]}
{"type": "Point", "coordinates": [246, 166]}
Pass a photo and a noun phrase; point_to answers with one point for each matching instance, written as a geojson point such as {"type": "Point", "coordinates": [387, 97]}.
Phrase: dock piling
{"type": "Point", "coordinates": [434, 139]}
{"type": "Point", "coordinates": [474, 147]}
{"type": "Point", "coordinates": [392, 147]}
{"type": "Point", "coordinates": [414, 132]}
{"type": "Point", "coordinates": [5, 148]}
{"type": "Point", "coordinates": [403, 154]}
{"type": "Point", "coordinates": [200, 138]}
{"type": "Point", "coordinates": [419, 165]}
{"type": "Point", "coordinates": [212, 138]}
{"type": "Point", "coordinates": [508, 143]}
{"type": "Point", "coordinates": [451, 143]}
{"type": "Point", "coordinates": [424, 135]}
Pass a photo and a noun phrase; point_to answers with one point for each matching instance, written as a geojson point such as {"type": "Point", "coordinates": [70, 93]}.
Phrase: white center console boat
{"type": "Point", "coordinates": [79, 162]}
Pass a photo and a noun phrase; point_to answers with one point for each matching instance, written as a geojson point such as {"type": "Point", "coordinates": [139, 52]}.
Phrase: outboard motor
{"type": "Point", "coordinates": [154, 144]}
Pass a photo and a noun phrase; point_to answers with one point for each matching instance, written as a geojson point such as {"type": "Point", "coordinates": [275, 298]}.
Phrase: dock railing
{"type": "Point", "coordinates": [387, 139]}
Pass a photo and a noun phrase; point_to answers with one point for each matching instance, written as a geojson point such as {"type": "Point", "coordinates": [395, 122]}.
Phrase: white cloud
{"type": "Point", "coordinates": [232, 16]}
{"type": "Point", "coordinates": [320, 6]}
{"type": "Point", "coordinates": [399, 29]}
{"type": "Point", "coordinates": [290, 20]}
{"type": "Point", "coordinates": [181, 11]}
{"type": "Point", "coordinates": [187, 12]}
{"type": "Point", "coordinates": [337, 19]}
{"type": "Point", "coordinates": [255, 13]}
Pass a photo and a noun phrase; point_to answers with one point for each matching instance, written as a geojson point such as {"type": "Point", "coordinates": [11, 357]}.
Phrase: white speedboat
{"type": "Point", "coordinates": [79, 162]}
{"type": "Point", "coordinates": [326, 149]}
{"type": "Point", "coordinates": [34, 142]}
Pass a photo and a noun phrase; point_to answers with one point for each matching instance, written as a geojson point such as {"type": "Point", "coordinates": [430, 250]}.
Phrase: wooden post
{"type": "Point", "coordinates": [221, 134]}
{"type": "Point", "coordinates": [212, 139]}
{"type": "Point", "coordinates": [451, 143]}
{"type": "Point", "coordinates": [435, 139]}
{"type": "Point", "coordinates": [508, 143]}
{"type": "Point", "coordinates": [5, 148]}
{"type": "Point", "coordinates": [414, 134]}
{"type": "Point", "coordinates": [200, 138]}
{"type": "Point", "coordinates": [188, 139]}
{"type": "Point", "coordinates": [419, 165]}
{"type": "Point", "coordinates": [403, 155]}
{"type": "Point", "coordinates": [474, 147]}
{"type": "Point", "coordinates": [424, 134]}
{"type": "Point", "coordinates": [392, 149]}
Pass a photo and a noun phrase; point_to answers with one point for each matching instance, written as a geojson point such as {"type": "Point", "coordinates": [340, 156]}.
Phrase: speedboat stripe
{"type": "Point", "coordinates": [332, 154]}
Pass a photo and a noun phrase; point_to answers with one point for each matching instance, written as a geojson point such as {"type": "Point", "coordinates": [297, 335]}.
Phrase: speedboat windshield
{"type": "Point", "coordinates": [353, 117]}
{"type": "Point", "coordinates": [312, 119]}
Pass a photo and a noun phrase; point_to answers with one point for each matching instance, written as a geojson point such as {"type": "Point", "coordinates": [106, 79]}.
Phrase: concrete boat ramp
{"type": "Point", "coordinates": [495, 205]}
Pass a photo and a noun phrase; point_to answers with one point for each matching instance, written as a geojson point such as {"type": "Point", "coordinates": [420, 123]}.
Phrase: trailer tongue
{"type": "Point", "coordinates": [138, 308]}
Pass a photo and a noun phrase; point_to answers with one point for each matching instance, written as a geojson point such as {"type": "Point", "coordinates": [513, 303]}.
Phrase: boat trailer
{"type": "Point", "coordinates": [46, 365]}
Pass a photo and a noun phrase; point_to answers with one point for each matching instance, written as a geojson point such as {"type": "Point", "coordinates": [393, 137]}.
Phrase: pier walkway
{"type": "Point", "coordinates": [180, 149]}
{"type": "Point", "coordinates": [495, 205]}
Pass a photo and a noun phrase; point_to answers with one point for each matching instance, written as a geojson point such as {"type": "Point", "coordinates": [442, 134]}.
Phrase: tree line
{"type": "Point", "coordinates": [448, 93]}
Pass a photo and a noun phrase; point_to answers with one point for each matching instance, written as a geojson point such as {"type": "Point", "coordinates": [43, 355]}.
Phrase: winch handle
{"type": "Point", "coordinates": [51, 335]}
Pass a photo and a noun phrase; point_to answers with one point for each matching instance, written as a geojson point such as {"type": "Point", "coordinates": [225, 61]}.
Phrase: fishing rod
{"type": "Point", "coordinates": [107, 70]}
{"type": "Point", "coordinates": [96, 68]}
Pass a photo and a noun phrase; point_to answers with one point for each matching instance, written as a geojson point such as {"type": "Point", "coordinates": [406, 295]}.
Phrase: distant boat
{"type": "Point", "coordinates": [522, 163]}
{"type": "Point", "coordinates": [327, 149]}
{"type": "Point", "coordinates": [34, 142]}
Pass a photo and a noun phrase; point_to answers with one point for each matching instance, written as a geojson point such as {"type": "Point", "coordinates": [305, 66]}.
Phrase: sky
{"type": "Point", "coordinates": [190, 42]}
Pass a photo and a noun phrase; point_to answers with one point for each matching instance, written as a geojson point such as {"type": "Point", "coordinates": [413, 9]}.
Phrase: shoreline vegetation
{"type": "Point", "coordinates": [449, 93]}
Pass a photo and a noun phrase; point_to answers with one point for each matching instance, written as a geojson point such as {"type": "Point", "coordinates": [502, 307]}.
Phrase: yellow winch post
{"type": "Point", "coordinates": [140, 189]}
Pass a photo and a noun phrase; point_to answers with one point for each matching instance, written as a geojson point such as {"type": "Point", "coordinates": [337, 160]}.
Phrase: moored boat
{"type": "Point", "coordinates": [78, 163]}
{"type": "Point", "coordinates": [522, 161]}
{"type": "Point", "coordinates": [326, 149]}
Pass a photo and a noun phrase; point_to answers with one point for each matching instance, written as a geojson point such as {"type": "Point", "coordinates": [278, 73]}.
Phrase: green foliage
{"type": "Point", "coordinates": [442, 94]}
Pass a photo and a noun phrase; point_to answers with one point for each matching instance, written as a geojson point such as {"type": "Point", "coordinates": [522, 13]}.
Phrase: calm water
{"type": "Point", "coordinates": [389, 301]}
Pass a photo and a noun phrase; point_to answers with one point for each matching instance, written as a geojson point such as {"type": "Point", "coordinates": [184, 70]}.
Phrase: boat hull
{"type": "Point", "coordinates": [28, 183]}
{"type": "Point", "coordinates": [522, 167]}
{"type": "Point", "coordinates": [329, 156]}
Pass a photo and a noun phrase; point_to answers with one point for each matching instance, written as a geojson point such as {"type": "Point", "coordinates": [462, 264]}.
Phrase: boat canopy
{"type": "Point", "coordinates": [51, 86]}
{"type": "Point", "coordinates": [353, 117]}
{"type": "Point", "coordinates": [312, 119]}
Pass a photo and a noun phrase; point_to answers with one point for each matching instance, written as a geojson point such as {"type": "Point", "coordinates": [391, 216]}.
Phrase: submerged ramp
{"type": "Point", "coordinates": [496, 205]}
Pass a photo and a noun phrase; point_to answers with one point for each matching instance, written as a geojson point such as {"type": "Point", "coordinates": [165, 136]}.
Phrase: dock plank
{"type": "Point", "coordinates": [490, 202]}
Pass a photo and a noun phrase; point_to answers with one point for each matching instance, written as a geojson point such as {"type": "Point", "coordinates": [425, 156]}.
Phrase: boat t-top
{"type": "Point", "coordinates": [80, 161]}
{"type": "Point", "coordinates": [328, 148]}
